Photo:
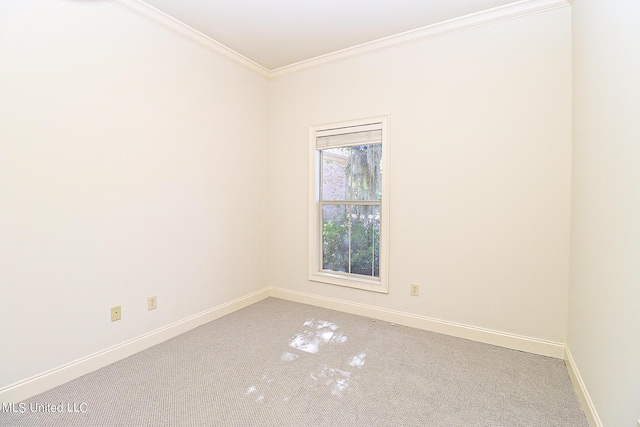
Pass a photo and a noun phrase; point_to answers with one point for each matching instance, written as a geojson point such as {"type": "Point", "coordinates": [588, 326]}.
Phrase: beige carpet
{"type": "Point", "coordinates": [278, 363]}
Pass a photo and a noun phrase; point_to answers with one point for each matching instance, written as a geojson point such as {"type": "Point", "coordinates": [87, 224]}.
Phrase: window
{"type": "Point", "coordinates": [348, 204]}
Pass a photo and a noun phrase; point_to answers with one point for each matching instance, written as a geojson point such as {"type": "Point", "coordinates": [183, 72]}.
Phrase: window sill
{"type": "Point", "coordinates": [349, 281]}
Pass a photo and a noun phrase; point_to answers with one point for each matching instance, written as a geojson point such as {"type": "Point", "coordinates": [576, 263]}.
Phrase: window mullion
{"type": "Point", "coordinates": [320, 236]}
{"type": "Point", "coordinates": [349, 250]}
{"type": "Point", "coordinates": [351, 202]}
{"type": "Point", "coordinates": [373, 251]}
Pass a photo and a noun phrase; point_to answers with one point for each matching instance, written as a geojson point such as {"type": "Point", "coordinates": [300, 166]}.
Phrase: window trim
{"type": "Point", "coordinates": [315, 273]}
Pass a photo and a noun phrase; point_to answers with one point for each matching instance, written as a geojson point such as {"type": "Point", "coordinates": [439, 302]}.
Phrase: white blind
{"type": "Point", "coordinates": [349, 136]}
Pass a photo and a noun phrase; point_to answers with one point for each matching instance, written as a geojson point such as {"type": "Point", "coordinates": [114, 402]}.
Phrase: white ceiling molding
{"type": "Point", "coordinates": [501, 13]}
{"type": "Point", "coordinates": [160, 18]}
{"type": "Point", "coordinates": [489, 16]}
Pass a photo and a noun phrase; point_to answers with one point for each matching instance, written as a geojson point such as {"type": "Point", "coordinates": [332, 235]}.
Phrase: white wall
{"type": "Point", "coordinates": [480, 172]}
{"type": "Point", "coordinates": [604, 321]}
{"type": "Point", "coordinates": [132, 163]}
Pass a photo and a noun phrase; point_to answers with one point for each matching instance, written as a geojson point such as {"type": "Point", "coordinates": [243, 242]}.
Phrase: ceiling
{"type": "Point", "coordinates": [277, 33]}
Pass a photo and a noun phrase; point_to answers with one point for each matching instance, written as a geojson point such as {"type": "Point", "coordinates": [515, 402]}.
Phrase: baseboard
{"type": "Point", "coordinates": [501, 339]}
{"type": "Point", "coordinates": [25, 389]}
{"type": "Point", "coordinates": [583, 395]}
{"type": "Point", "coordinates": [30, 387]}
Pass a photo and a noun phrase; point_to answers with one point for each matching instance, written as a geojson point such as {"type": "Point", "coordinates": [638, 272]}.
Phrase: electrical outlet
{"type": "Point", "coordinates": [116, 313]}
{"type": "Point", "coordinates": [414, 290]}
{"type": "Point", "coordinates": [152, 303]}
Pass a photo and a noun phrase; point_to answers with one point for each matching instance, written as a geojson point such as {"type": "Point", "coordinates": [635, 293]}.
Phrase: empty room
{"type": "Point", "coordinates": [320, 213]}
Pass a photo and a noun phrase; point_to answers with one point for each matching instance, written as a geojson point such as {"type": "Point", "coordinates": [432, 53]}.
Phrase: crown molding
{"type": "Point", "coordinates": [489, 16]}
{"type": "Point", "coordinates": [167, 22]}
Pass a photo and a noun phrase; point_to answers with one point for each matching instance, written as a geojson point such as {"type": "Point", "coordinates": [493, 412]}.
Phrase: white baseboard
{"type": "Point", "coordinates": [29, 387]}
{"type": "Point", "coordinates": [583, 395]}
{"type": "Point", "coordinates": [488, 336]}
{"type": "Point", "coordinates": [25, 389]}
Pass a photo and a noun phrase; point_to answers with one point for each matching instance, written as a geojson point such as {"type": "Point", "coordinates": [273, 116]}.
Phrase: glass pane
{"type": "Point", "coordinates": [365, 240]}
{"type": "Point", "coordinates": [352, 173]}
{"type": "Point", "coordinates": [335, 238]}
{"type": "Point", "coordinates": [351, 239]}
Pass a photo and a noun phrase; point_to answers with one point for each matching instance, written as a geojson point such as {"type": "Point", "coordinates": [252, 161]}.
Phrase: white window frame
{"type": "Point", "coordinates": [316, 274]}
